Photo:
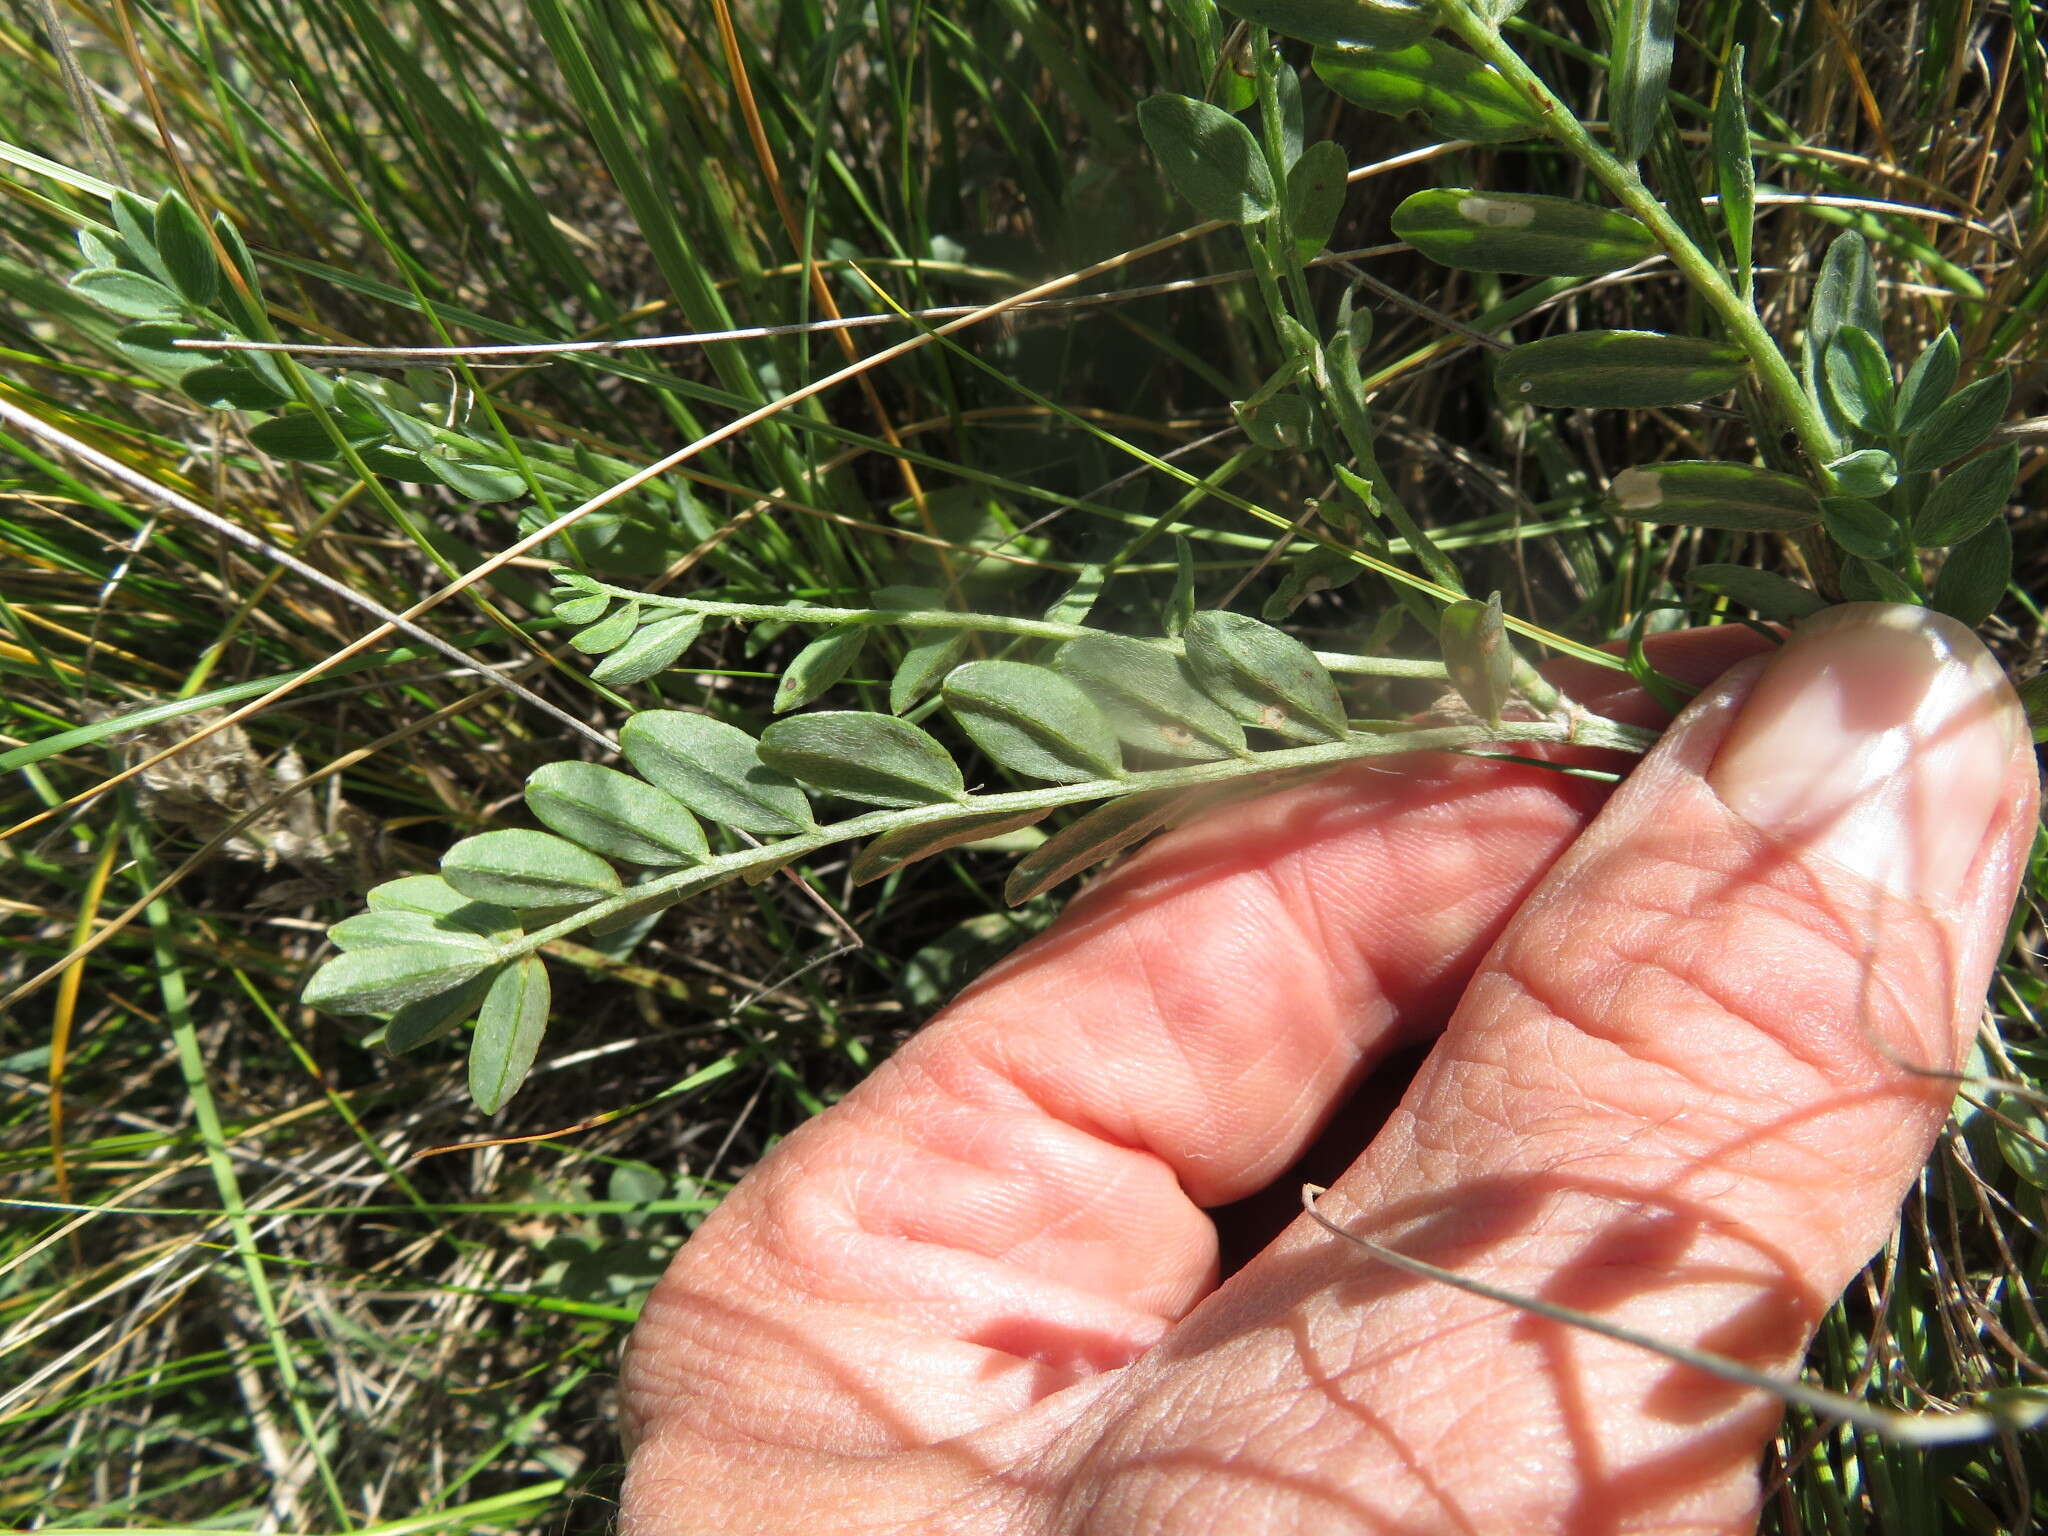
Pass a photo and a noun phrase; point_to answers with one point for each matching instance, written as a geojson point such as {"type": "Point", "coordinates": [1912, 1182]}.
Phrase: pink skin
{"type": "Point", "coordinates": [1684, 1076]}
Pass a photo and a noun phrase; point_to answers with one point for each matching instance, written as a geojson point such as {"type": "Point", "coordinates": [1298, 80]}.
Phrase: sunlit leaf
{"type": "Point", "coordinates": [819, 665]}
{"type": "Point", "coordinates": [1859, 377]}
{"type": "Point", "coordinates": [1150, 698]}
{"type": "Point", "coordinates": [476, 481]}
{"type": "Point", "coordinates": [878, 759]}
{"type": "Point", "coordinates": [1477, 656]}
{"type": "Point", "coordinates": [1967, 497]}
{"type": "Point", "coordinates": [615, 814]}
{"type": "Point", "coordinates": [1639, 72]}
{"type": "Point", "coordinates": [1264, 677]}
{"type": "Point", "coordinates": [1960, 423]}
{"type": "Point", "coordinates": [1975, 575]}
{"type": "Point", "coordinates": [1844, 293]}
{"type": "Point", "coordinates": [519, 868]}
{"type": "Point", "coordinates": [1860, 527]}
{"type": "Point", "coordinates": [1867, 472]}
{"type": "Point", "coordinates": [1927, 384]}
{"type": "Point", "coordinates": [186, 252]}
{"type": "Point", "coordinates": [1033, 721]}
{"type": "Point", "coordinates": [1520, 232]}
{"type": "Point", "coordinates": [509, 1028]}
{"type": "Point", "coordinates": [151, 343]}
{"type": "Point", "coordinates": [1713, 493]}
{"type": "Point", "coordinates": [127, 293]}
{"type": "Point", "coordinates": [1619, 368]}
{"type": "Point", "coordinates": [376, 929]}
{"type": "Point", "coordinates": [610, 632]}
{"type": "Point", "coordinates": [654, 648]}
{"type": "Point", "coordinates": [716, 770]}
{"type": "Point", "coordinates": [1459, 96]}
{"type": "Point", "coordinates": [1734, 169]}
{"type": "Point", "coordinates": [390, 976]}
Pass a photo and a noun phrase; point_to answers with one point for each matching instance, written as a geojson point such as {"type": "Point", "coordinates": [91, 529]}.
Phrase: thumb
{"type": "Point", "coordinates": [1686, 1092]}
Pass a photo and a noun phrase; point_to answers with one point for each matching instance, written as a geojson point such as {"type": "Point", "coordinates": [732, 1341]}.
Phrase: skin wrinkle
{"type": "Point", "coordinates": [1676, 1216]}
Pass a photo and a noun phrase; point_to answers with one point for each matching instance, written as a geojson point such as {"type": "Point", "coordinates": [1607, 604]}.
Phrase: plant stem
{"type": "Point", "coordinates": [666, 890]}
{"type": "Point", "coordinates": [993, 623]}
{"type": "Point", "coordinates": [1774, 373]}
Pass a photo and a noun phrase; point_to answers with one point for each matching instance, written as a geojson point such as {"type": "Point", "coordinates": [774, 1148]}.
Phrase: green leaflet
{"type": "Point", "coordinates": [654, 648]}
{"type": "Point", "coordinates": [509, 1028]}
{"type": "Point", "coordinates": [1180, 602]}
{"type": "Point", "coordinates": [1968, 497]}
{"type": "Point", "coordinates": [127, 293]}
{"type": "Point", "coordinates": [1265, 677]}
{"type": "Point", "coordinates": [1094, 837]}
{"type": "Point", "coordinates": [398, 925]}
{"type": "Point", "coordinates": [232, 386]}
{"type": "Point", "coordinates": [186, 252]}
{"type": "Point", "coordinates": [477, 482]}
{"type": "Point", "coordinates": [886, 855]}
{"type": "Point", "coordinates": [1619, 368]}
{"type": "Point", "coordinates": [391, 976]}
{"type": "Point", "coordinates": [1210, 157]}
{"type": "Point", "coordinates": [1460, 97]}
{"type": "Point", "coordinates": [1771, 595]}
{"type": "Point", "coordinates": [1927, 384]}
{"type": "Point", "coordinates": [1521, 232]}
{"type": "Point", "coordinates": [1474, 638]}
{"type": "Point", "coordinates": [1859, 378]}
{"type": "Point", "coordinates": [432, 894]}
{"type": "Point", "coordinates": [924, 663]}
{"type": "Point", "coordinates": [1734, 170]}
{"type": "Point", "coordinates": [1366, 23]}
{"type": "Point", "coordinates": [299, 435]}
{"type": "Point", "coordinates": [615, 814]}
{"type": "Point", "coordinates": [417, 1023]}
{"type": "Point", "coordinates": [583, 610]}
{"type": "Point", "coordinates": [1033, 721]}
{"type": "Point", "coordinates": [716, 770]}
{"type": "Point", "coordinates": [1844, 293]}
{"type": "Point", "coordinates": [1974, 577]}
{"type": "Point", "coordinates": [610, 632]}
{"type": "Point", "coordinates": [878, 759]}
{"type": "Point", "coordinates": [520, 869]}
{"type": "Point", "coordinates": [1316, 184]}
{"type": "Point", "coordinates": [1867, 472]}
{"type": "Point", "coordinates": [1867, 581]}
{"type": "Point", "coordinates": [150, 343]}
{"type": "Point", "coordinates": [1861, 527]}
{"type": "Point", "coordinates": [1075, 604]}
{"type": "Point", "coordinates": [1639, 72]}
{"type": "Point", "coordinates": [1959, 424]}
{"type": "Point", "coordinates": [819, 665]}
{"type": "Point", "coordinates": [1712, 493]}
{"type": "Point", "coordinates": [1150, 699]}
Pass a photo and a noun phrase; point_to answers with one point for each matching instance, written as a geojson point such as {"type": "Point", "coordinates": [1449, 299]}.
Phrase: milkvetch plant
{"type": "Point", "coordinates": [1886, 490]}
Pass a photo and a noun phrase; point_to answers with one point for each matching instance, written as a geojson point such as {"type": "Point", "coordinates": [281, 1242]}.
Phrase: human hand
{"type": "Point", "coordinates": [1690, 1068]}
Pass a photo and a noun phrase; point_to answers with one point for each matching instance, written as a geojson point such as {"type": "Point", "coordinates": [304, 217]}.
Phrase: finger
{"type": "Point", "coordinates": [1686, 1092]}
{"type": "Point", "coordinates": [1014, 1201]}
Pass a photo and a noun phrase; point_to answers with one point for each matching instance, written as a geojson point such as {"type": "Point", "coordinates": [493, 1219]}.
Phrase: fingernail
{"type": "Point", "coordinates": [1879, 736]}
